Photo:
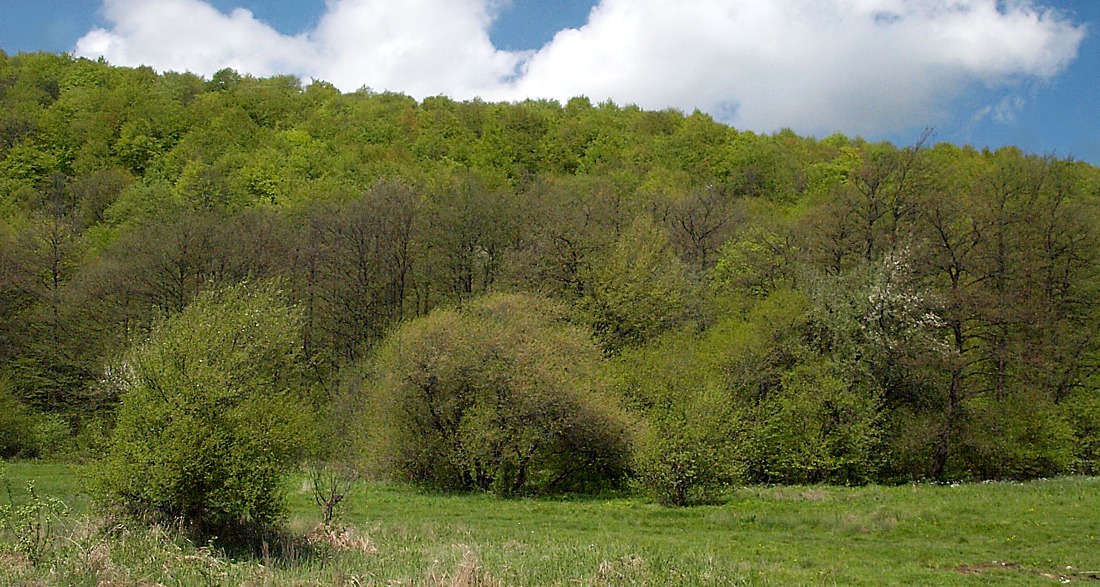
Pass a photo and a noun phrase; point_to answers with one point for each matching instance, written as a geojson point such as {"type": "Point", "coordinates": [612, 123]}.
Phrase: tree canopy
{"type": "Point", "coordinates": [858, 311]}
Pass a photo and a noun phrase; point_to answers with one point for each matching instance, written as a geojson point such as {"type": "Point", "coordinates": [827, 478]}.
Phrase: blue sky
{"type": "Point", "coordinates": [981, 72]}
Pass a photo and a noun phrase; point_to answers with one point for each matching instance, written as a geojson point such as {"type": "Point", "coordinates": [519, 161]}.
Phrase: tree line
{"type": "Point", "coordinates": [533, 286]}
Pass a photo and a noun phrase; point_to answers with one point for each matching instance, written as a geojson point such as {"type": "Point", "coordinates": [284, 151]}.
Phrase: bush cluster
{"type": "Point", "coordinates": [500, 395]}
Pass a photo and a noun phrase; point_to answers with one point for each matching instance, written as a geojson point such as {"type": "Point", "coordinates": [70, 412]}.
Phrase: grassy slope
{"type": "Point", "coordinates": [994, 533]}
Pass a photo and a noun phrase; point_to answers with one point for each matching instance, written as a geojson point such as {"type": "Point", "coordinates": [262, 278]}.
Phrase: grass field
{"type": "Point", "coordinates": [1041, 533]}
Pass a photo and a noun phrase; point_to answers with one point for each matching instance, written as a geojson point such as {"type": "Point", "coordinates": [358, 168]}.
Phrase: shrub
{"type": "Point", "coordinates": [212, 412]}
{"type": "Point", "coordinates": [910, 444]}
{"type": "Point", "coordinates": [17, 426]}
{"type": "Point", "coordinates": [30, 525]}
{"type": "Point", "coordinates": [500, 396]}
{"type": "Point", "coordinates": [687, 448]}
{"type": "Point", "coordinates": [1082, 411]}
{"type": "Point", "coordinates": [689, 451]}
{"type": "Point", "coordinates": [820, 426]}
{"type": "Point", "coordinates": [53, 435]}
{"type": "Point", "coordinates": [1014, 437]}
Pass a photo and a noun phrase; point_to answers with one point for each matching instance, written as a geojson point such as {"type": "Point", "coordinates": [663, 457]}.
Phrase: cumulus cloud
{"type": "Point", "coordinates": [420, 47]}
{"type": "Point", "coordinates": [191, 35]}
{"type": "Point", "coordinates": [858, 66]}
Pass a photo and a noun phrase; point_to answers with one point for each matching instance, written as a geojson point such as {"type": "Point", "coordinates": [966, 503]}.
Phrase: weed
{"type": "Point", "coordinates": [31, 524]}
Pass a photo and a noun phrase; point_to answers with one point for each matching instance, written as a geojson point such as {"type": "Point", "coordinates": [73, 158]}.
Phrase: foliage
{"type": "Point", "coordinates": [17, 426]}
{"type": "Point", "coordinates": [214, 406]}
{"type": "Point", "coordinates": [754, 264]}
{"type": "Point", "coordinates": [637, 289]}
{"type": "Point", "coordinates": [1014, 438]}
{"type": "Point", "coordinates": [820, 426]}
{"type": "Point", "coordinates": [1082, 411]}
{"type": "Point", "coordinates": [689, 453]}
{"type": "Point", "coordinates": [500, 395]}
{"type": "Point", "coordinates": [957, 283]}
{"type": "Point", "coordinates": [687, 450]}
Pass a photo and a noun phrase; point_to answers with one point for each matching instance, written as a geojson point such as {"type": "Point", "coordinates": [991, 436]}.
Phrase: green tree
{"type": "Point", "coordinates": [637, 289]}
{"type": "Point", "coordinates": [568, 221]}
{"type": "Point", "coordinates": [214, 408]}
{"type": "Point", "coordinates": [17, 423]}
{"type": "Point", "coordinates": [823, 425]}
{"type": "Point", "coordinates": [469, 228]}
{"type": "Point", "coordinates": [354, 263]}
{"type": "Point", "coordinates": [1010, 251]}
{"type": "Point", "coordinates": [755, 263]}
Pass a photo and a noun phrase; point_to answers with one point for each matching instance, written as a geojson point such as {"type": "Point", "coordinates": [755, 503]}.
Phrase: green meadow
{"type": "Point", "coordinates": [1034, 533]}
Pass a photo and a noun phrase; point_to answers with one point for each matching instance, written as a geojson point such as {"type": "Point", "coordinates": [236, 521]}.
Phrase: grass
{"type": "Point", "coordinates": [1041, 533]}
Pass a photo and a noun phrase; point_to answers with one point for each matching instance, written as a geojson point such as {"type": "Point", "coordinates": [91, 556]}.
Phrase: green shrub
{"type": "Point", "coordinates": [689, 450]}
{"type": "Point", "coordinates": [1082, 411]}
{"type": "Point", "coordinates": [213, 409]}
{"type": "Point", "coordinates": [17, 427]}
{"type": "Point", "coordinates": [30, 526]}
{"type": "Point", "coordinates": [1014, 437]}
{"type": "Point", "coordinates": [53, 435]}
{"type": "Point", "coordinates": [909, 444]}
{"type": "Point", "coordinates": [501, 395]}
{"type": "Point", "coordinates": [821, 426]}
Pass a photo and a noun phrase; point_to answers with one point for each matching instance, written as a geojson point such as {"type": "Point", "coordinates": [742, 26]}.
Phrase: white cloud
{"type": "Point", "coordinates": [192, 35]}
{"type": "Point", "coordinates": [421, 47]}
{"type": "Point", "coordinates": [859, 66]}
{"type": "Point", "coordinates": [855, 65]}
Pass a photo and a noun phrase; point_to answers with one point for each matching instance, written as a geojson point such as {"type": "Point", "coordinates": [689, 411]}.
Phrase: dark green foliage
{"type": "Point", "coordinates": [355, 267]}
{"type": "Point", "coordinates": [1015, 437]}
{"type": "Point", "coordinates": [501, 395]}
{"type": "Point", "coordinates": [469, 228]}
{"type": "Point", "coordinates": [17, 426]}
{"type": "Point", "coordinates": [1082, 411]}
{"type": "Point", "coordinates": [214, 406]}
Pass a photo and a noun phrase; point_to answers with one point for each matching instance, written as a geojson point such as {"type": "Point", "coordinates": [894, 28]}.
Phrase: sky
{"type": "Point", "coordinates": [985, 73]}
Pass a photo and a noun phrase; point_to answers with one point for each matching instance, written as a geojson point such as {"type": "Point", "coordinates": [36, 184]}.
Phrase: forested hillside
{"type": "Point", "coordinates": [676, 301]}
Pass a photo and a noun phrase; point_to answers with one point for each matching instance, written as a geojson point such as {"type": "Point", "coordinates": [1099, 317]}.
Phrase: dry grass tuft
{"type": "Point", "coordinates": [627, 570]}
{"type": "Point", "coordinates": [12, 564]}
{"type": "Point", "coordinates": [90, 548]}
{"type": "Point", "coordinates": [340, 537]}
{"type": "Point", "coordinates": [814, 495]}
{"type": "Point", "coordinates": [790, 493]}
{"type": "Point", "coordinates": [468, 573]}
{"type": "Point", "coordinates": [868, 522]}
